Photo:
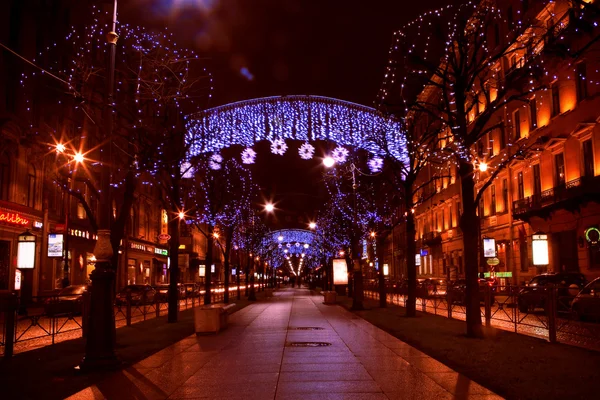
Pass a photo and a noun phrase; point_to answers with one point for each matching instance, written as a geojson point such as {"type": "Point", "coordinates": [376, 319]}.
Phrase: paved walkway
{"type": "Point", "coordinates": [254, 359]}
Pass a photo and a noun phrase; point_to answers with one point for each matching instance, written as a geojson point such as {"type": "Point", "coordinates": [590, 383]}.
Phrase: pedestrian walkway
{"type": "Point", "coordinates": [262, 355]}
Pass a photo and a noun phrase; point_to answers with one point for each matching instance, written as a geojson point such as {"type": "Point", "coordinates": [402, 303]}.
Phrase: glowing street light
{"type": "Point", "coordinates": [269, 207]}
{"type": "Point", "coordinates": [78, 157]}
{"type": "Point", "coordinates": [181, 215]}
{"type": "Point", "coordinates": [312, 225]}
{"type": "Point", "coordinates": [60, 148]}
{"type": "Point", "coordinates": [483, 167]}
{"type": "Point", "coordinates": [216, 235]}
{"type": "Point", "coordinates": [328, 162]}
{"type": "Point", "coordinates": [372, 234]}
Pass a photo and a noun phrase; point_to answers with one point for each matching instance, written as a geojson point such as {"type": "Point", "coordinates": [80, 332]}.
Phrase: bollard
{"type": "Point", "coordinates": [449, 301]}
{"type": "Point", "coordinates": [551, 312]}
{"type": "Point", "coordinates": [488, 305]}
{"type": "Point", "coordinates": [85, 313]}
{"type": "Point", "coordinates": [128, 309]}
{"type": "Point", "coordinates": [157, 305]}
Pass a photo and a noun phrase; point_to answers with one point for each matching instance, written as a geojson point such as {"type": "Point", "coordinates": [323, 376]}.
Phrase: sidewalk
{"type": "Point", "coordinates": [261, 356]}
{"type": "Point", "coordinates": [513, 365]}
{"type": "Point", "coordinates": [48, 372]}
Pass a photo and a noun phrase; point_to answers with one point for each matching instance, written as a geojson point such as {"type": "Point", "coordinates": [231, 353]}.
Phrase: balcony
{"type": "Point", "coordinates": [569, 197]}
{"type": "Point", "coordinates": [432, 238]}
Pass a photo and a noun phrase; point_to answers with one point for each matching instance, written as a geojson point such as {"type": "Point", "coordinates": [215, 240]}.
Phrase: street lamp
{"type": "Point", "coordinates": [328, 161]}
{"type": "Point", "coordinates": [312, 225]}
{"type": "Point", "coordinates": [101, 337]}
{"type": "Point", "coordinates": [269, 207]}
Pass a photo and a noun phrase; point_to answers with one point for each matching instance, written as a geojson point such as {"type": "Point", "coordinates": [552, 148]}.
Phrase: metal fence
{"type": "Point", "coordinates": [47, 320]}
{"type": "Point", "coordinates": [545, 314]}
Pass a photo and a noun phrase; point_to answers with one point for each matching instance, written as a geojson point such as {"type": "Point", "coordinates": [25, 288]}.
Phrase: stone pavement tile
{"type": "Point", "coordinates": [332, 396]}
{"type": "Point", "coordinates": [409, 352]}
{"type": "Point", "coordinates": [248, 360]}
{"type": "Point", "coordinates": [409, 379]}
{"type": "Point", "coordinates": [293, 358]}
{"type": "Point", "coordinates": [420, 395]}
{"type": "Point", "coordinates": [321, 367]}
{"type": "Point", "coordinates": [458, 384]}
{"type": "Point", "coordinates": [210, 376]}
{"type": "Point", "coordinates": [375, 351]}
{"type": "Point", "coordinates": [383, 363]}
{"type": "Point", "coordinates": [285, 388]}
{"type": "Point", "coordinates": [427, 364]}
{"type": "Point", "coordinates": [340, 374]}
{"type": "Point", "coordinates": [257, 390]}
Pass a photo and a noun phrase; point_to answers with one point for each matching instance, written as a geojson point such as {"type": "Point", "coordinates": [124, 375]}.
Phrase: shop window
{"type": "Point", "coordinates": [588, 158]}
{"type": "Point", "coordinates": [581, 80]}
{"type": "Point", "coordinates": [131, 271]}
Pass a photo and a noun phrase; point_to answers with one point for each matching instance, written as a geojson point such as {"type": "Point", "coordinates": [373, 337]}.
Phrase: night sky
{"type": "Point", "coordinates": [259, 48]}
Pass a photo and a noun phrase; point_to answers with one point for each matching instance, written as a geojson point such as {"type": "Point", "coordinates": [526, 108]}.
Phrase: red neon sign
{"type": "Point", "coordinates": [13, 218]}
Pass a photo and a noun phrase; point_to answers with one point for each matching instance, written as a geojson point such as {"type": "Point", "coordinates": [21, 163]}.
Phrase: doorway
{"type": "Point", "coordinates": [564, 245]}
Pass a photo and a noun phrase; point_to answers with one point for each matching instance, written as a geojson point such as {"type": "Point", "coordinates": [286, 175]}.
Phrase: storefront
{"type": "Point", "coordinates": [145, 264]}
{"type": "Point", "coordinates": [20, 243]}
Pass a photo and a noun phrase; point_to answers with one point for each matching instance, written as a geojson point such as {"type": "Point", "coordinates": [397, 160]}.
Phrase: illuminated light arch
{"type": "Point", "coordinates": [301, 118]}
{"type": "Point", "coordinates": [292, 240]}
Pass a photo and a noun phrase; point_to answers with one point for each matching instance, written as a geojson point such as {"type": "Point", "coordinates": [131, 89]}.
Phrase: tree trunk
{"type": "Point", "coordinates": [227, 268]}
{"type": "Point", "coordinates": [411, 251]}
{"type": "Point", "coordinates": [173, 296]}
{"type": "Point", "coordinates": [382, 293]}
{"type": "Point", "coordinates": [358, 295]}
{"type": "Point", "coordinates": [469, 222]}
{"type": "Point", "coordinates": [209, 260]}
{"type": "Point", "coordinates": [247, 275]}
{"type": "Point", "coordinates": [350, 275]}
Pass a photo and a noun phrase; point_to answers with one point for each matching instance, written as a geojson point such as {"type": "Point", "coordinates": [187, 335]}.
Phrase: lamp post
{"type": "Point", "coordinates": [100, 344]}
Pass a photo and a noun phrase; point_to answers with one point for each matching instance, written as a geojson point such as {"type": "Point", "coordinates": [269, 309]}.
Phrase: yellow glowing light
{"type": "Point", "coordinates": [181, 215]}
{"type": "Point", "coordinates": [78, 157]}
{"type": "Point", "coordinates": [312, 225]}
{"type": "Point", "coordinates": [60, 148]}
{"type": "Point", "coordinates": [372, 234]}
{"type": "Point", "coordinates": [483, 167]}
{"type": "Point", "coordinates": [269, 207]}
{"type": "Point", "coordinates": [216, 235]}
{"type": "Point", "coordinates": [328, 162]}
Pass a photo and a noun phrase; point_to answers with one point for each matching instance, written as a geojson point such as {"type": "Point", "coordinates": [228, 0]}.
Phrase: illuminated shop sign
{"type": "Point", "coordinates": [162, 252]}
{"type": "Point", "coordinates": [13, 218]}
{"type": "Point", "coordinates": [340, 272]}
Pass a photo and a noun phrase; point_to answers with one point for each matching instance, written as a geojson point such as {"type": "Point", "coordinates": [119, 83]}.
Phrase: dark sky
{"type": "Point", "coordinates": [259, 48]}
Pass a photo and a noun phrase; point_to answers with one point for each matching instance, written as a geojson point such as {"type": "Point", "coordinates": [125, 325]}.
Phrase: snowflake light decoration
{"type": "Point", "coordinates": [278, 147]}
{"type": "Point", "coordinates": [340, 154]}
{"type": "Point", "coordinates": [215, 161]}
{"type": "Point", "coordinates": [306, 151]}
{"type": "Point", "coordinates": [248, 156]}
{"type": "Point", "coordinates": [375, 164]}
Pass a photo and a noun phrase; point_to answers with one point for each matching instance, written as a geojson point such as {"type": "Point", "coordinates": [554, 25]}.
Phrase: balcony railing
{"type": "Point", "coordinates": [432, 238]}
{"type": "Point", "coordinates": [572, 189]}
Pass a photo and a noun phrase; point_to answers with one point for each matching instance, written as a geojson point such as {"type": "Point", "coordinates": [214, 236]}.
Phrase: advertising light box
{"type": "Point", "coordinates": [55, 245]}
{"type": "Point", "coordinates": [340, 272]}
{"type": "Point", "coordinates": [489, 247]}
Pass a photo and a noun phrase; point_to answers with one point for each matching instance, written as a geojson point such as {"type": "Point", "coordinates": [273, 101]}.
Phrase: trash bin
{"type": "Point", "coordinates": [329, 297]}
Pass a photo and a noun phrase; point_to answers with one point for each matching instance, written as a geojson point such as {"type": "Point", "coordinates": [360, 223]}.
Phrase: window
{"type": "Point", "coordinates": [450, 218]}
{"type": "Point", "coordinates": [480, 147]}
{"type": "Point", "coordinates": [491, 144]}
{"type": "Point", "coordinates": [559, 169]}
{"type": "Point", "coordinates": [555, 100]}
{"type": "Point", "coordinates": [505, 195]}
{"type": "Point", "coordinates": [132, 222]}
{"type": "Point", "coordinates": [520, 187]}
{"type": "Point", "coordinates": [581, 80]}
{"type": "Point", "coordinates": [588, 158]}
{"type": "Point", "coordinates": [493, 204]}
{"type": "Point", "coordinates": [532, 115]}
{"type": "Point", "coordinates": [502, 137]}
{"type": "Point", "coordinates": [517, 124]}
{"type": "Point", "coordinates": [537, 182]}
{"type": "Point", "coordinates": [4, 177]}
{"type": "Point", "coordinates": [480, 211]}
{"type": "Point", "coordinates": [443, 220]}
{"type": "Point", "coordinates": [31, 185]}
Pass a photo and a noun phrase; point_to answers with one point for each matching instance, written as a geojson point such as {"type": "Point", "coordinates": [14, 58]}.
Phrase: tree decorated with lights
{"type": "Point", "coordinates": [462, 68]}
{"type": "Point", "coordinates": [221, 195]}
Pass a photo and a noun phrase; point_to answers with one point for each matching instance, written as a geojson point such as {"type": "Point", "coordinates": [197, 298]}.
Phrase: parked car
{"type": "Point", "coordinates": [191, 289]}
{"type": "Point", "coordinates": [535, 294]}
{"type": "Point", "coordinates": [431, 287]}
{"type": "Point", "coordinates": [457, 289]}
{"type": "Point", "coordinates": [586, 305]}
{"type": "Point", "coordinates": [68, 301]}
{"type": "Point", "coordinates": [140, 294]}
